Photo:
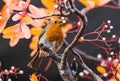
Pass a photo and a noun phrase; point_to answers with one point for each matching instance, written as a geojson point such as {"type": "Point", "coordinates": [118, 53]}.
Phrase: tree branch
{"type": "Point", "coordinates": [78, 53]}
{"type": "Point", "coordinates": [66, 73]}
{"type": "Point", "coordinates": [116, 2]}
{"type": "Point", "coordinates": [75, 11]}
{"type": "Point", "coordinates": [84, 56]}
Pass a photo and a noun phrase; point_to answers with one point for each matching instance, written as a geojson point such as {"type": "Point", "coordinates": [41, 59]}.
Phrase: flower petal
{"type": "Point", "coordinates": [33, 52]}
{"type": "Point", "coordinates": [101, 2]}
{"type": "Point", "coordinates": [16, 17]}
{"type": "Point", "coordinates": [5, 15]}
{"type": "Point", "coordinates": [34, 77]}
{"type": "Point", "coordinates": [14, 28]}
{"type": "Point", "coordinates": [49, 3]}
{"type": "Point", "coordinates": [33, 44]}
{"type": "Point", "coordinates": [34, 11]}
{"type": "Point", "coordinates": [9, 34]}
{"type": "Point", "coordinates": [14, 40]}
{"type": "Point", "coordinates": [25, 29]}
{"type": "Point", "coordinates": [101, 69]}
{"type": "Point", "coordinates": [66, 28]}
{"type": "Point", "coordinates": [37, 23]}
{"type": "Point", "coordinates": [88, 3]}
{"type": "Point", "coordinates": [27, 20]}
{"type": "Point", "coordinates": [2, 25]}
{"type": "Point", "coordinates": [36, 31]}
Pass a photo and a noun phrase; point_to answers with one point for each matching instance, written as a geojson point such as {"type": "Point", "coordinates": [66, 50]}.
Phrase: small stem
{"type": "Point", "coordinates": [96, 77]}
{"type": "Point", "coordinates": [50, 16]}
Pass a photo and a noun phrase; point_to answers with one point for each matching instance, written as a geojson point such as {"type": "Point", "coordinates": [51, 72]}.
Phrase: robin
{"type": "Point", "coordinates": [51, 37]}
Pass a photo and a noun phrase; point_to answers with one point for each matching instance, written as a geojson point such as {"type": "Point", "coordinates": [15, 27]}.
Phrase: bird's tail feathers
{"type": "Point", "coordinates": [35, 62]}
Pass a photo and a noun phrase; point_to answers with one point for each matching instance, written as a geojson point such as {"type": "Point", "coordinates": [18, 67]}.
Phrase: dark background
{"type": "Point", "coordinates": [19, 55]}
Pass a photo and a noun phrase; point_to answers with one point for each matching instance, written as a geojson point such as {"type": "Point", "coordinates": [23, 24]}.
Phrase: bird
{"type": "Point", "coordinates": [52, 37]}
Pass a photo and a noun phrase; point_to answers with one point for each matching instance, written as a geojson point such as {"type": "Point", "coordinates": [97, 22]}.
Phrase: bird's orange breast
{"type": "Point", "coordinates": [55, 33]}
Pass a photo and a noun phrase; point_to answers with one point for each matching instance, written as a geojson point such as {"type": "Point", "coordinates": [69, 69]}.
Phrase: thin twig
{"type": "Point", "coordinates": [51, 16]}
{"type": "Point", "coordinates": [96, 77]}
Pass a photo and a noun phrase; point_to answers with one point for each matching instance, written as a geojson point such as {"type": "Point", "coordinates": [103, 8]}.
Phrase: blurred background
{"type": "Point", "coordinates": [18, 56]}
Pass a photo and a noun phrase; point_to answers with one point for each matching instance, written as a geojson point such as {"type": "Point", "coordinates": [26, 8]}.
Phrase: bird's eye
{"type": "Point", "coordinates": [55, 21]}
